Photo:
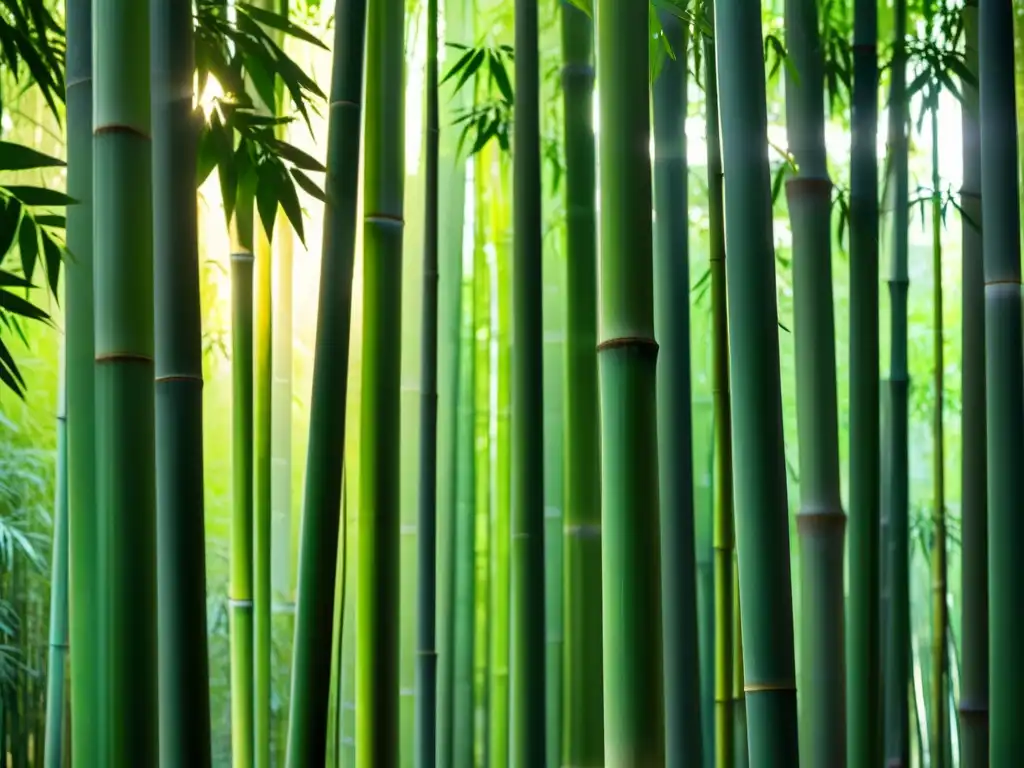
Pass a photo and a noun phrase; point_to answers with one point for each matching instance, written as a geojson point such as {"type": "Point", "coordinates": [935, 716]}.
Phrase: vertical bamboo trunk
{"type": "Point", "coordinates": [426, 564]}
{"type": "Point", "coordinates": [241, 587]}
{"type": "Point", "coordinates": [553, 286]}
{"type": "Point", "coordinates": [56, 666]}
{"type": "Point", "coordinates": [634, 717]}
{"type": "Point", "coordinates": [741, 750]}
{"type": "Point", "coordinates": [897, 674]}
{"type": "Point", "coordinates": [723, 532]}
{"type": "Point", "coordinates": [582, 736]}
{"type": "Point", "coordinates": [377, 614]}
{"type": "Point", "coordinates": [463, 698]}
{"type": "Point", "coordinates": [939, 732]}
{"type": "Point", "coordinates": [281, 393]}
{"type": "Point", "coordinates": [181, 557]}
{"type": "Point", "coordinates": [450, 245]}
{"type": "Point", "coordinates": [480, 446]}
{"type": "Point", "coordinates": [703, 505]}
{"type": "Point", "coordinates": [863, 649]}
{"type": "Point", "coordinates": [1004, 375]}
{"type": "Point", "coordinates": [500, 561]}
{"type": "Point", "coordinates": [973, 703]}
{"type": "Point", "coordinates": [83, 571]}
{"type": "Point", "coordinates": [318, 539]}
{"type": "Point", "coordinates": [820, 521]}
{"type": "Point", "coordinates": [125, 442]}
{"type": "Point", "coordinates": [675, 428]}
{"type": "Point", "coordinates": [263, 382]}
{"type": "Point", "coordinates": [527, 727]}
{"type": "Point", "coordinates": [762, 528]}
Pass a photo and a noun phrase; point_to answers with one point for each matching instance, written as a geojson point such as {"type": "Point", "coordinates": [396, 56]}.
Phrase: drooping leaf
{"type": "Point", "coordinates": [18, 157]}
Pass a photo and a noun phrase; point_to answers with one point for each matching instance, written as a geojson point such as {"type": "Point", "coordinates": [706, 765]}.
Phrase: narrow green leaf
{"type": "Point", "coordinates": [40, 196]}
{"type": "Point", "coordinates": [52, 259]}
{"type": "Point", "coordinates": [28, 244]}
{"type": "Point", "coordinates": [17, 157]}
{"type": "Point", "coordinates": [311, 188]}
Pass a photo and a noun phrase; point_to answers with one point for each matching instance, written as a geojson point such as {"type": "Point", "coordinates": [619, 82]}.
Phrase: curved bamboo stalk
{"type": "Point", "coordinates": [318, 538]}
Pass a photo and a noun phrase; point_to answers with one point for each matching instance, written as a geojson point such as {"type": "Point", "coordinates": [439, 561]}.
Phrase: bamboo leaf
{"type": "Point", "coordinates": [280, 23]}
{"type": "Point", "coordinates": [52, 259]}
{"type": "Point", "coordinates": [28, 244]}
{"type": "Point", "coordinates": [267, 196]}
{"type": "Point", "coordinates": [10, 216]}
{"type": "Point", "coordinates": [308, 185]}
{"type": "Point", "coordinates": [40, 196]}
{"type": "Point", "coordinates": [17, 157]}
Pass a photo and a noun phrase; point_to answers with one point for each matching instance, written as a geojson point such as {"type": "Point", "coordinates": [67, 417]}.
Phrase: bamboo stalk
{"type": "Point", "coordinates": [762, 528]}
{"type": "Point", "coordinates": [56, 667]}
{"type": "Point", "coordinates": [583, 737]}
{"type": "Point", "coordinates": [318, 538]}
{"type": "Point", "coordinates": [675, 420]}
{"type": "Point", "coordinates": [863, 685]}
{"type": "Point", "coordinates": [377, 614]}
{"type": "Point", "coordinates": [1004, 372]}
{"type": "Point", "coordinates": [527, 666]}
{"type": "Point", "coordinates": [897, 673]}
{"type": "Point", "coordinates": [83, 542]}
{"type": "Point", "coordinates": [184, 663]}
{"type": "Point", "coordinates": [973, 702]}
{"type": "Point", "coordinates": [634, 718]}
{"type": "Point", "coordinates": [125, 440]}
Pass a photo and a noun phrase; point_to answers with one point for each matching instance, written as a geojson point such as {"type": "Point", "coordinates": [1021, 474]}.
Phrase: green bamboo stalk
{"type": "Point", "coordinates": [281, 394]}
{"type": "Point", "coordinates": [938, 731]}
{"type": "Point", "coordinates": [83, 542]}
{"type": "Point", "coordinates": [723, 534]}
{"type": "Point", "coordinates": [318, 538]}
{"type": "Point", "coordinates": [897, 674]}
{"type": "Point", "coordinates": [973, 705]}
{"type": "Point", "coordinates": [241, 586]}
{"type": "Point", "coordinates": [527, 728]}
{"type": "Point", "coordinates": [863, 647]}
{"type": "Point", "coordinates": [741, 753]}
{"type": "Point", "coordinates": [703, 504]}
{"type": "Point", "coordinates": [762, 540]}
{"type": "Point", "coordinates": [377, 615]}
{"type": "Point", "coordinates": [820, 521]}
{"type": "Point", "coordinates": [184, 663]}
{"type": "Point", "coordinates": [125, 442]}
{"type": "Point", "coordinates": [450, 246]}
{"type": "Point", "coordinates": [464, 698]}
{"type": "Point", "coordinates": [1004, 374]}
{"type": "Point", "coordinates": [263, 373]}
{"type": "Point", "coordinates": [582, 736]}
{"type": "Point", "coordinates": [634, 718]}
{"type": "Point", "coordinates": [426, 564]}
{"type": "Point", "coordinates": [500, 560]}
{"type": "Point", "coordinates": [56, 666]}
{"type": "Point", "coordinates": [675, 438]}
{"type": "Point", "coordinates": [262, 495]}
{"type": "Point", "coordinates": [553, 286]}
{"type": "Point", "coordinates": [481, 446]}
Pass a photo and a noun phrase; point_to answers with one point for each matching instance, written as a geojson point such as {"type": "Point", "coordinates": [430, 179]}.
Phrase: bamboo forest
{"type": "Point", "coordinates": [511, 383]}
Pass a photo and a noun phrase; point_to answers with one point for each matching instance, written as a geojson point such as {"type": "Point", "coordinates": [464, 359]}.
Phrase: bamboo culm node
{"type": "Point", "coordinates": [641, 343]}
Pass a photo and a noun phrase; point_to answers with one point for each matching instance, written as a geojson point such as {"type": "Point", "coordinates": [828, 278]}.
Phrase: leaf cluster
{"type": "Point", "coordinates": [28, 221]}
{"type": "Point", "coordinates": [242, 137]}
